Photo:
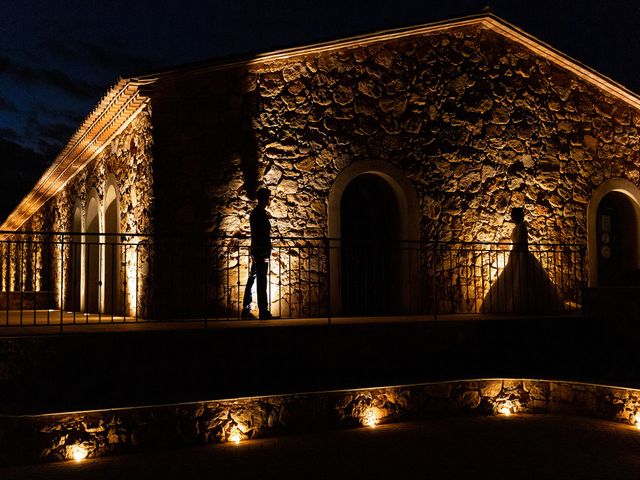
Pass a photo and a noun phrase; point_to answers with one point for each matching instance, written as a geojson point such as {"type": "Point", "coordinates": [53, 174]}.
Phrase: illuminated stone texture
{"type": "Point", "coordinates": [129, 430]}
{"type": "Point", "coordinates": [128, 157]}
{"type": "Point", "coordinates": [478, 125]}
{"type": "Point", "coordinates": [477, 122]}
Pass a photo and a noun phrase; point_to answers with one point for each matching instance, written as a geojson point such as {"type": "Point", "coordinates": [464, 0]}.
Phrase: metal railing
{"type": "Point", "coordinates": [49, 278]}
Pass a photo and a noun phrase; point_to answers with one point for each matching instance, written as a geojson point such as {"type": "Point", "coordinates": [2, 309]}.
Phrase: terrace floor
{"type": "Point", "coordinates": [16, 322]}
{"type": "Point", "coordinates": [517, 447]}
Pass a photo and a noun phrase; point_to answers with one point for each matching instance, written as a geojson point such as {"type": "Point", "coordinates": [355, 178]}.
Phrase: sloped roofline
{"type": "Point", "coordinates": [114, 112]}
{"type": "Point", "coordinates": [126, 99]}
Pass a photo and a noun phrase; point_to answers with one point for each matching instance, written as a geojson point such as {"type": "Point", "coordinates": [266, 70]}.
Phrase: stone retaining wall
{"type": "Point", "coordinates": [106, 432]}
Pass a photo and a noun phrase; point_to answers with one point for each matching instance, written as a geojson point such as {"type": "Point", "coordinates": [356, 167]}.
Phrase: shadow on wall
{"type": "Point", "coordinates": [205, 168]}
{"type": "Point", "coordinates": [205, 151]}
{"type": "Point", "coordinates": [523, 286]}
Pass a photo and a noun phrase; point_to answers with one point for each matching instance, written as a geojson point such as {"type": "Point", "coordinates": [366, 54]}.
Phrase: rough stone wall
{"type": "Point", "coordinates": [128, 158]}
{"type": "Point", "coordinates": [477, 123]}
{"type": "Point", "coordinates": [55, 437]}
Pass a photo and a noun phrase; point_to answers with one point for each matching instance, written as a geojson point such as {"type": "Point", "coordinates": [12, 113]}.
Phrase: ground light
{"type": "Point", "coordinates": [234, 436]}
{"type": "Point", "coordinates": [636, 420]}
{"type": "Point", "coordinates": [370, 419]}
{"type": "Point", "coordinates": [78, 452]}
{"type": "Point", "coordinates": [505, 408]}
{"type": "Point", "coordinates": [506, 411]}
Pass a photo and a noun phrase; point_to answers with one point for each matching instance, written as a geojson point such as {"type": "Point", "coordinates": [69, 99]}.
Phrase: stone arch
{"type": "Point", "coordinates": [408, 225]}
{"type": "Point", "coordinates": [92, 284]}
{"type": "Point", "coordinates": [627, 190]}
{"type": "Point", "coordinates": [112, 251]}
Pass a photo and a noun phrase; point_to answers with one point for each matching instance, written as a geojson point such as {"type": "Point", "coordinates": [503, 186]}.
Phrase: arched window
{"type": "Point", "coordinates": [74, 276]}
{"type": "Point", "coordinates": [613, 232]}
{"type": "Point", "coordinates": [370, 247]}
{"type": "Point", "coordinates": [112, 300]}
{"type": "Point", "coordinates": [92, 284]}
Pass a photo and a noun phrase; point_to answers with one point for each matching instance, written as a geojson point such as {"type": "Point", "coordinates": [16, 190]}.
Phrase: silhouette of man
{"type": "Point", "coordinates": [260, 253]}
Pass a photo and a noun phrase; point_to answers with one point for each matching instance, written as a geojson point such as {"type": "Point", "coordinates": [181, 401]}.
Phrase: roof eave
{"type": "Point", "coordinates": [120, 105]}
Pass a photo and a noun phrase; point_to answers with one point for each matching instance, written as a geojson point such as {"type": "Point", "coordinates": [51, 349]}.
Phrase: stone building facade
{"type": "Point", "coordinates": [436, 131]}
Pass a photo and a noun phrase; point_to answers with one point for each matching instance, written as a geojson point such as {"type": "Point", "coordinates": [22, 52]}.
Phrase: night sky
{"type": "Point", "coordinates": [57, 58]}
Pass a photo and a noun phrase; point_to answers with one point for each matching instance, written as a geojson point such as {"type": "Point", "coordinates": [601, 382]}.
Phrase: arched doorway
{"type": "Point", "coordinates": [614, 234]}
{"type": "Point", "coordinates": [112, 300]}
{"type": "Point", "coordinates": [400, 211]}
{"type": "Point", "coordinates": [369, 247]}
{"type": "Point", "coordinates": [617, 240]}
{"type": "Point", "coordinates": [92, 283]}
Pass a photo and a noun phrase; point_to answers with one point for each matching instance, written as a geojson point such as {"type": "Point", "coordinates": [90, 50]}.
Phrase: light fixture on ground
{"type": "Point", "coordinates": [505, 408]}
{"type": "Point", "coordinates": [636, 420]}
{"type": "Point", "coordinates": [235, 436]}
{"type": "Point", "coordinates": [77, 452]}
{"type": "Point", "coordinates": [370, 418]}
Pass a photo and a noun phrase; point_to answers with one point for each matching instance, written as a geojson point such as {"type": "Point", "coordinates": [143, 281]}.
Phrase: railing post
{"type": "Point", "coordinates": [279, 247]}
{"type": "Point", "coordinates": [61, 283]}
{"type": "Point", "coordinates": [583, 284]}
{"type": "Point", "coordinates": [206, 282]}
{"type": "Point", "coordinates": [327, 242]}
{"type": "Point", "coordinates": [20, 277]}
{"type": "Point", "coordinates": [137, 274]}
{"type": "Point", "coordinates": [434, 251]}
{"type": "Point", "coordinates": [239, 298]}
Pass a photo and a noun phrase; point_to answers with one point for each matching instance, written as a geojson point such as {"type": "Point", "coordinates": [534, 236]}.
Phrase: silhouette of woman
{"type": "Point", "coordinates": [523, 286]}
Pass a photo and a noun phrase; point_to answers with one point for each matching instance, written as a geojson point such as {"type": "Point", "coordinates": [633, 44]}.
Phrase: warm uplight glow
{"type": "Point", "coordinates": [78, 452]}
{"type": "Point", "coordinates": [131, 272]}
{"type": "Point", "coordinates": [636, 420]}
{"type": "Point", "coordinates": [497, 266]}
{"type": "Point", "coordinates": [235, 436]}
{"type": "Point", "coordinates": [58, 275]}
{"type": "Point", "coordinates": [370, 419]}
{"type": "Point", "coordinates": [278, 276]}
{"type": "Point", "coordinates": [506, 408]}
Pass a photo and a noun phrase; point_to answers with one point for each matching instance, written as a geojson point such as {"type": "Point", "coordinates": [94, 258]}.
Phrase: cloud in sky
{"type": "Point", "coordinates": [116, 58]}
{"type": "Point", "coordinates": [7, 105]}
{"type": "Point", "coordinates": [53, 131]}
{"type": "Point", "coordinates": [44, 128]}
{"type": "Point", "coordinates": [52, 78]}
{"type": "Point", "coordinates": [57, 114]}
{"type": "Point", "coordinates": [67, 57]}
{"type": "Point", "coordinates": [49, 134]}
{"type": "Point", "coordinates": [10, 134]}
